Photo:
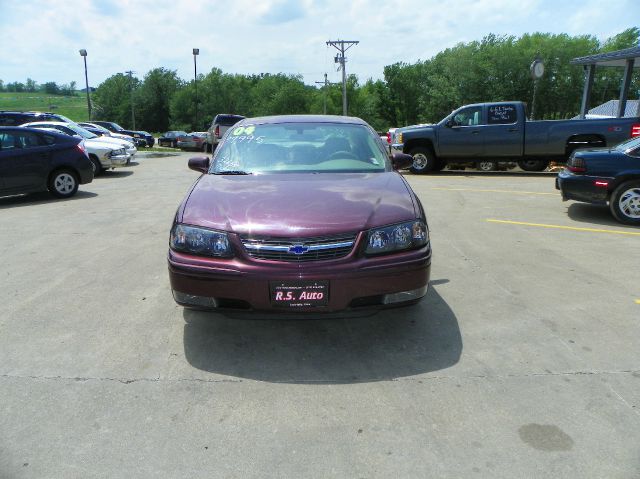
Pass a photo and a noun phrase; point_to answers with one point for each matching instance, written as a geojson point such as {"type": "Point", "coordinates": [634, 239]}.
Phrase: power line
{"type": "Point", "coordinates": [340, 58]}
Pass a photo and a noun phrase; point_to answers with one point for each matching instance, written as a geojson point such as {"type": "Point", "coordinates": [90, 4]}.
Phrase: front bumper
{"type": "Point", "coordinates": [116, 161]}
{"type": "Point", "coordinates": [354, 283]}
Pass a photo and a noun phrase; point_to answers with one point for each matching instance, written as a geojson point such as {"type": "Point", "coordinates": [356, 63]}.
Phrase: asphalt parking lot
{"type": "Point", "coordinates": [521, 362]}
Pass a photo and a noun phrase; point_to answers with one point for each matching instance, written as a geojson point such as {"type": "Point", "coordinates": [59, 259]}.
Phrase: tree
{"type": "Point", "coordinates": [112, 99]}
{"type": "Point", "coordinates": [31, 85]}
{"type": "Point", "coordinates": [155, 95]}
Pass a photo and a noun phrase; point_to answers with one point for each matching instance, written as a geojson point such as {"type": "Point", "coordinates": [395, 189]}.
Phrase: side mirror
{"type": "Point", "coordinates": [199, 163]}
{"type": "Point", "coordinates": [401, 161]}
{"type": "Point", "coordinates": [450, 123]}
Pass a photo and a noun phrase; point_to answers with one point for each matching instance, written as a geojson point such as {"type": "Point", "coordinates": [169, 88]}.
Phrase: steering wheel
{"type": "Point", "coordinates": [342, 154]}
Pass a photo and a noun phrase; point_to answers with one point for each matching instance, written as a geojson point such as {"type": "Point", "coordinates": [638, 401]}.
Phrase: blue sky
{"type": "Point", "coordinates": [41, 39]}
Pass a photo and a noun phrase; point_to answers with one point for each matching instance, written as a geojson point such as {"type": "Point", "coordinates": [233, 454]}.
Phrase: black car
{"type": "Point", "coordinates": [604, 175]}
{"type": "Point", "coordinates": [142, 137]}
{"type": "Point", "coordinates": [170, 138]}
{"type": "Point", "coordinates": [16, 118]}
{"type": "Point", "coordinates": [37, 160]}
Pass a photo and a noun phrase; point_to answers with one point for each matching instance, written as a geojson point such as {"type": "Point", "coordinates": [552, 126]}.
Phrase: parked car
{"type": "Point", "coordinates": [605, 175]}
{"type": "Point", "coordinates": [17, 118]}
{"type": "Point", "coordinates": [300, 214]}
{"type": "Point", "coordinates": [105, 153]}
{"type": "Point", "coordinates": [219, 126]}
{"type": "Point", "coordinates": [34, 160]}
{"type": "Point", "coordinates": [193, 141]}
{"type": "Point", "coordinates": [75, 129]}
{"type": "Point", "coordinates": [102, 131]}
{"type": "Point", "coordinates": [170, 138]}
{"type": "Point", "coordinates": [142, 137]}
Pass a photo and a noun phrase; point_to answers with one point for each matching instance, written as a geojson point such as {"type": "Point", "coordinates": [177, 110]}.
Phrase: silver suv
{"type": "Point", "coordinates": [220, 124]}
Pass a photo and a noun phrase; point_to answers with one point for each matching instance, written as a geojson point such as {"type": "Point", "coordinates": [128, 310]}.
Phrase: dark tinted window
{"type": "Point", "coordinates": [15, 140]}
{"type": "Point", "coordinates": [48, 139]}
{"type": "Point", "coordinates": [227, 120]}
{"type": "Point", "coordinates": [502, 114]}
{"type": "Point", "coordinates": [13, 119]}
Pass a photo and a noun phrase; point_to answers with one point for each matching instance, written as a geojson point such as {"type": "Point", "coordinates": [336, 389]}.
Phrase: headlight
{"type": "Point", "coordinates": [413, 234]}
{"type": "Point", "coordinates": [118, 152]}
{"type": "Point", "coordinates": [200, 241]}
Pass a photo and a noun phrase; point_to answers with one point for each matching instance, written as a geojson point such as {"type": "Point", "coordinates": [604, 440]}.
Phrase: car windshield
{"type": "Point", "coordinates": [86, 134]}
{"type": "Point", "coordinates": [116, 126]}
{"type": "Point", "coordinates": [65, 119]}
{"type": "Point", "coordinates": [630, 144]}
{"type": "Point", "coordinates": [97, 127]}
{"type": "Point", "coordinates": [299, 147]}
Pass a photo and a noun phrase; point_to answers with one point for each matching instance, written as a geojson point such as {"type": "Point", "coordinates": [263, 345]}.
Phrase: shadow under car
{"type": "Point", "coordinates": [391, 344]}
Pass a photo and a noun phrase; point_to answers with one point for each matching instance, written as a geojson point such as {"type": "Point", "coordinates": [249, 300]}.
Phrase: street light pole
{"type": "Point", "coordinates": [83, 54]}
{"type": "Point", "coordinates": [196, 52]}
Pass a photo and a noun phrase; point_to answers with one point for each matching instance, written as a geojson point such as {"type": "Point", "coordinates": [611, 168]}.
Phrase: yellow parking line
{"type": "Point", "coordinates": [498, 191]}
{"type": "Point", "coordinates": [572, 228]}
{"type": "Point", "coordinates": [637, 301]}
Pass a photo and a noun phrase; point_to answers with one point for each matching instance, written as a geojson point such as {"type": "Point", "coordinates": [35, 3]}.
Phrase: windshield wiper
{"type": "Point", "coordinates": [232, 172]}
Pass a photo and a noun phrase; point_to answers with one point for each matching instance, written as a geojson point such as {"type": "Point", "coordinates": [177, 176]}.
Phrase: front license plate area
{"type": "Point", "coordinates": [299, 294]}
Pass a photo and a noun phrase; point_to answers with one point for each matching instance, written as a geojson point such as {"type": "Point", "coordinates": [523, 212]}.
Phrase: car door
{"type": "Point", "coordinates": [462, 134]}
{"type": "Point", "coordinates": [503, 135]}
{"type": "Point", "coordinates": [25, 160]}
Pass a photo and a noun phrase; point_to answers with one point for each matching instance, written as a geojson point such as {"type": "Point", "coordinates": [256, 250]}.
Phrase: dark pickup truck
{"type": "Point", "coordinates": [492, 133]}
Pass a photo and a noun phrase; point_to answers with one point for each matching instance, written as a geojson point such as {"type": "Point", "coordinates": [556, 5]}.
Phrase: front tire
{"type": "Point", "coordinates": [625, 203]}
{"type": "Point", "coordinates": [63, 183]}
{"type": "Point", "coordinates": [424, 161]}
{"type": "Point", "coordinates": [533, 165]}
{"type": "Point", "coordinates": [97, 166]}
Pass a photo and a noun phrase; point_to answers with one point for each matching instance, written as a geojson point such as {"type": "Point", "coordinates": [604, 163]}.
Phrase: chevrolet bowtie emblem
{"type": "Point", "coordinates": [298, 249]}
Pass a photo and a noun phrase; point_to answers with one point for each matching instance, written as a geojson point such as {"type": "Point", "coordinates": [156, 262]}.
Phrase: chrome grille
{"type": "Point", "coordinates": [298, 250]}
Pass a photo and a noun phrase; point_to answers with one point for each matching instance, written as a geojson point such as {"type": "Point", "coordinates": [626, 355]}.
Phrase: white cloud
{"type": "Point", "coordinates": [271, 36]}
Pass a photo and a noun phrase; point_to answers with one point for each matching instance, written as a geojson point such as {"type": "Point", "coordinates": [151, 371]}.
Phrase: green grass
{"type": "Point", "coordinates": [74, 107]}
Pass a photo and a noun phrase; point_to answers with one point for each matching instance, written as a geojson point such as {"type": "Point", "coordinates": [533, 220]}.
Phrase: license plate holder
{"type": "Point", "coordinates": [299, 294]}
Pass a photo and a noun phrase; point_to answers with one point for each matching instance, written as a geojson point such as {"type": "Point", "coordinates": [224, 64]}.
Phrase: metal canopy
{"type": "Point", "coordinates": [610, 59]}
{"type": "Point", "coordinates": [622, 58]}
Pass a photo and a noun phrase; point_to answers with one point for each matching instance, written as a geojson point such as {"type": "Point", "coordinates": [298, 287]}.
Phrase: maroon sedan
{"type": "Point", "coordinates": [300, 214]}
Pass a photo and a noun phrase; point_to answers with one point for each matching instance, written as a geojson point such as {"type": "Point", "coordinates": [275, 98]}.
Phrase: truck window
{"type": "Point", "coordinates": [468, 116]}
{"type": "Point", "coordinates": [502, 114]}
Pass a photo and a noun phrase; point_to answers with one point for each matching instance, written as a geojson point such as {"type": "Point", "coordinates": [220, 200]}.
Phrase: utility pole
{"type": "Point", "coordinates": [325, 84]}
{"type": "Point", "coordinates": [133, 115]}
{"type": "Point", "coordinates": [340, 58]}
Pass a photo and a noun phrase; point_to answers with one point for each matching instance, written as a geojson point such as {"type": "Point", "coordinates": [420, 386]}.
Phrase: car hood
{"type": "Point", "coordinates": [115, 142]}
{"type": "Point", "coordinates": [100, 144]}
{"type": "Point", "coordinates": [302, 205]}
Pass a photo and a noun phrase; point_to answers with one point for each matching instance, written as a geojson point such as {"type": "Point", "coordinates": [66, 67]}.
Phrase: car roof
{"type": "Point", "coordinates": [52, 131]}
{"type": "Point", "coordinates": [279, 119]}
{"type": "Point", "coordinates": [47, 123]}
